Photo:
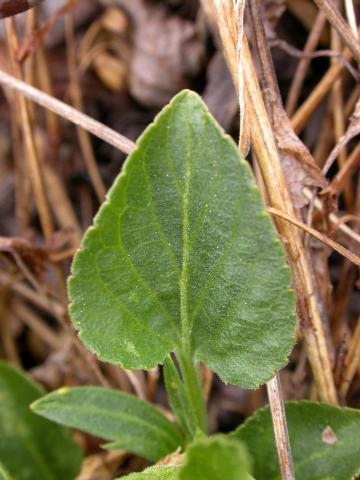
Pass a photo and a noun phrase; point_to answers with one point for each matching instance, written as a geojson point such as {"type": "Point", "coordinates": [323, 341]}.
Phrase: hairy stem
{"type": "Point", "coordinates": [193, 387]}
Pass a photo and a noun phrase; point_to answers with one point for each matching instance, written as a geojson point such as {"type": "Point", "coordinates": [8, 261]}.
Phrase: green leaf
{"type": "Point", "coordinates": [216, 458]}
{"type": "Point", "coordinates": [4, 474]}
{"type": "Point", "coordinates": [178, 399]}
{"type": "Point", "coordinates": [154, 473]}
{"type": "Point", "coordinates": [31, 448]}
{"type": "Point", "coordinates": [325, 441]}
{"type": "Point", "coordinates": [209, 458]}
{"type": "Point", "coordinates": [183, 257]}
{"type": "Point", "coordinates": [128, 422]}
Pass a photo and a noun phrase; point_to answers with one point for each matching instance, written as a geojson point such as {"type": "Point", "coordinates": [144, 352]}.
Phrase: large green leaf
{"type": "Point", "coordinates": [154, 473]}
{"type": "Point", "coordinates": [182, 256]}
{"type": "Point", "coordinates": [325, 442]}
{"type": "Point", "coordinates": [31, 448]}
{"type": "Point", "coordinates": [216, 458]}
{"type": "Point", "coordinates": [128, 422]}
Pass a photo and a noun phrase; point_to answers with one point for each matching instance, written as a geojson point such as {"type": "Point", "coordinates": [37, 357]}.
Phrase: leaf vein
{"type": "Point", "coordinates": [121, 306]}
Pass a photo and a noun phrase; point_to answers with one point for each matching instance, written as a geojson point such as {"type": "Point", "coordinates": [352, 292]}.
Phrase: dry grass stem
{"type": "Point", "coordinates": [318, 94]}
{"type": "Point", "coordinates": [75, 93]}
{"type": "Point", "coordinates": [30, 147]}
{"type": "Point", "coordinates": [231, 17]}
{"type": "Point", "coordinates": [334, 219]}
{"type": "Point", "coordinates": [352, 361]}
{"type": "Point", "coordinates": [265, 149]}
{"type": "Point", "coordinates": [346, 171]}
{"type": "Point", "coordinates": [33, 321]}
{"type": "Point", "coordinates": [352, 131]}
{"type": "Point", "coordinates": [280, 428]}
{"type": "Point", "coordinates": [351, 17]}
{"type": "Point", "coordinates": [69, 113]}
{"type": "Point", "coordinates": [239, 11]}
{"type": "Point", "coordinates": [338, 115]}
{"type": "Point", "coordinates": [301, 70]}
{"type": "Point", "coordinates": [61, 205]}
{"type": "Point", "coordinates": [340, 25]}
{"type": "Point", "coordinates": [320, 236]}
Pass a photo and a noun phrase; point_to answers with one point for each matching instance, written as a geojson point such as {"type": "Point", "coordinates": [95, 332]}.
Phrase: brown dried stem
{"type": "Point", "coordinates": [69, 113]}
{"type": "Point", "coordinates": [320, 236]}
{"type": "Point", "coordinates": [340, 25]}
{"type": "Point", "coordinates": [351, 17]}
{"type": "Point", "coordinates": [280, 428]}
{"type": "Point", "coordinates": [338, 115]}
{"type": "Point", "coordinates": [352, 361]}
{"type": "Point", "coordinates": [30, 147]}
{"type": "Point", "coordinates": [344, 174]}
{"type": "Point", "coordinates": [59, 201]}
{"type": "Point", "coordinates": [264, 146]}
{"type": "Point", "coordinates": [75, 92]}
{"type": "Point", "coordinates": [334, 219]}
{"type": "Point", "coordinates": [298, 80]}
{"type": "Point", "coordinates": [42, 330]}
{"type": "Point", "coordinates": [318, 94]}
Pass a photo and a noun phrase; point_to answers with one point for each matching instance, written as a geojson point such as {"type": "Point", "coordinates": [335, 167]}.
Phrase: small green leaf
{"type": "Point", "coordinates": [216, 458]}
{"type": "Point", "coordinates": [178, 399]}
{"type": "Point", "coordinates": [31, 448]}
{"type": "Point", "coordinates": [182, 257]}
{"type": "Point", "coordinates": [128, 422]}
{"type": "Point", "coordinates": [154, 473]}
{"type": "Point", "coordinates": [325, 441]}
{"type": "Point", "coordinates": [209, 458]}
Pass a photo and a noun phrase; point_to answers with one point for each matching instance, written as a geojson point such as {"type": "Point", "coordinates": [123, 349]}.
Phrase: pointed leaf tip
{"type": "Point", "coordinates": [128, 422]}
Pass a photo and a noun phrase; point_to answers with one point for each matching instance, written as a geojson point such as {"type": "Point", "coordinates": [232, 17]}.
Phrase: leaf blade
{"type": "Point", "coordinates": [155, 473]}
{"type": "Point", "coordinates": [314, 458]}
{"type": "Point", "coordinates": [128, 422]}
{"type": "Point", "coordinates": [4, 474]}
{"type": "Point", "coordinates": [185, 258]}
{"type": "Point", "coordinates": [215, 458]}
{"type": "Point", "coordinates": [207, 458]}
{"type": "Point", "coordinates": [31, 448]}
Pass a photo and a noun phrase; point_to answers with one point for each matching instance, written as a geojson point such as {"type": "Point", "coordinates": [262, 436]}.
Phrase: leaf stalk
{"type": "Point", "coordinates": [193, 387]}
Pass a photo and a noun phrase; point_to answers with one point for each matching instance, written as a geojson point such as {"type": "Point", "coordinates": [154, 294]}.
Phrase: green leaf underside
{"type": "Point", "coordinates": [215, 458]}
{"type": "Point", "coordinates": [31, 448]}
{"type": "Point", "coordinates": [125, 420]}
{"type": "Point", "coordinates": [182, 256]}
{"type": "Point", "coordinates": [314, 459]}
{"type": "Point", "coordinates": [154, 473]}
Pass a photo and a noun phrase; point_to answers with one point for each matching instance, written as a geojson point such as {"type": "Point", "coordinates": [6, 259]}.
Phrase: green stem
{"type": "Point", "coordinates": [191, 378]}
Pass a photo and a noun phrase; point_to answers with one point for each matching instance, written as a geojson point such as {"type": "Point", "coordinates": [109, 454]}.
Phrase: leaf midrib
{"type": "Point", "coordinates": [186, 326]}
{"type": "Point", "coordinates": [120, 414]}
